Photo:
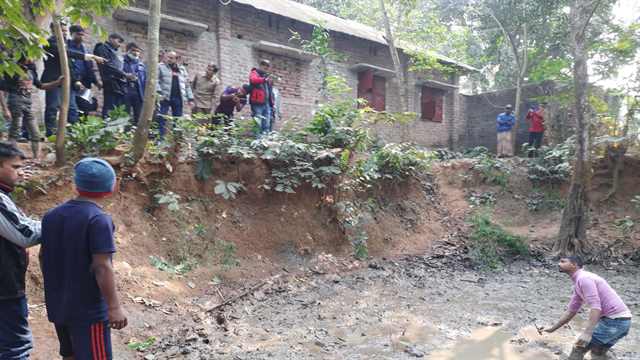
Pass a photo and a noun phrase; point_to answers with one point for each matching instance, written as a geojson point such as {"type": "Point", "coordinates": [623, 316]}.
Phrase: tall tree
{"type": "Point", "coordinates": [395, 57]}
{"type": "Point", "coordinates": [517, 38]}
{"type": "Point", "coordinates": [153, 34]}
{"type": "Point", "coordinates": [572, 238]}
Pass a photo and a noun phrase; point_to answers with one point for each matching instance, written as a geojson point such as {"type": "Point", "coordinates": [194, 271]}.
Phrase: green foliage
{"type": "Point", "coordinates": [490, 243]}
{"type": "Point", "coordinates": [226, 253]}
{"type": "Point", "coordinates": [492, 171]}
{"type": "Point", "coordinates": [319, 44]}
{"type": "Point", "coordinates": [351, 219]}
{"type": "Point", "coordinates": [141, 345]}
{"type": "Point", "coordinates": [23, 38]}
{"type": "Point", "coordinates": [625, 225]}
{"type": "Point", "coordinates": [446, 155]}
{"type": "Point", "coordinates": [401, 161]}
{"type": "Point", "coordinates": [178, 269]}
{"type": "Point", "coordinates": [553, 164]}
{"type": "Point", "coordinates": [425, 61]}
{"type": "Point", "coordinates": [92, 135]}
{"type": "Point", "coordinates": [170, 199]}
{"type": "Point", "coordinates": [477, 152]}
{"type": "Point", "coordinates": [228, 190]}
{"type": "Point", "coordinates": [392, 162]}
{"type": "Point", "coordinates": [294, 163]}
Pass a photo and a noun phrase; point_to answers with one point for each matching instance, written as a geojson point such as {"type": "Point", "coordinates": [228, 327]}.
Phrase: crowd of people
{"type": "Point", "coordinates": [122, 79]}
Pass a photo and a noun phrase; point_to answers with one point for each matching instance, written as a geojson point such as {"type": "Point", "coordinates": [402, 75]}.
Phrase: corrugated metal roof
{"type": "Point", "coordinates": [310, 15]}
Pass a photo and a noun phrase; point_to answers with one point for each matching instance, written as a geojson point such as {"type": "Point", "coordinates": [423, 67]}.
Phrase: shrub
{"type": "Point", "coordinates": [492, 171]}
{"type": "Point", "coordinates": [395, 162]}
{"type": "Point", "coordinates": [490, 243]}
{"type": "Point", "coordinates": [553, 164]}
{"type": "Point", "coordinates": [93, 136]}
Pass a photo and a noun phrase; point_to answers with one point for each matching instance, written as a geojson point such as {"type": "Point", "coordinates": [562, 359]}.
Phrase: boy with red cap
{"type": "Point", "coordinates": [79, 281]}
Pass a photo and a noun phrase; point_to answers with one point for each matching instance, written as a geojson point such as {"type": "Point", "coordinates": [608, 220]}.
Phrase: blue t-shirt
{"type": "Point", "coordinates": [71, 234]}
{"type": "Point", "coordinates": [505, 122]}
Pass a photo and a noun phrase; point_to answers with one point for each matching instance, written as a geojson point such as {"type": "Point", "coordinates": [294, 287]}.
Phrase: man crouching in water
{"type": "Point", "coordinates": [609, 318]}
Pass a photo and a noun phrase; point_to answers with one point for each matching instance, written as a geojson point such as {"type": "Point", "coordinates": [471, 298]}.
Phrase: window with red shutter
{"type": "Point", "coordinates": [432, 103]}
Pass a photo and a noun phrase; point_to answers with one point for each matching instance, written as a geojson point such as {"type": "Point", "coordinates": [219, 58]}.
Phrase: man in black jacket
{"type": "Point", "coordinates": [17, 232]}
{"type": "Point", "coordinates": [114, 79]}
{"type": "Point", "coordinates": [83, 75]}
{"type": "Point", "coordinates": [52, 71]}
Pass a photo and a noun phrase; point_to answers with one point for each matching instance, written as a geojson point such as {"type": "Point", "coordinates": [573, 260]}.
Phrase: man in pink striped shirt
{"type": "Point", "coordinates": [609, 317]}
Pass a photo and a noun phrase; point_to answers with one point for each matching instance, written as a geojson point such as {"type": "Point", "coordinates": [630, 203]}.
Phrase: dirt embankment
{"type": "Point", "coordinates": [270, 235]}
{"type": "Point", "coordinates": [264, 233]}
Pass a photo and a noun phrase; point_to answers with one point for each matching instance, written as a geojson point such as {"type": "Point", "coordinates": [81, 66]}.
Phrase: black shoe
{"type": "Point", "coordinates": [23, 140]}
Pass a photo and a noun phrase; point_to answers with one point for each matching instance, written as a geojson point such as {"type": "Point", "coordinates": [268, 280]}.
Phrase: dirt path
{"type": "Point", "coordinates": [399, 310]}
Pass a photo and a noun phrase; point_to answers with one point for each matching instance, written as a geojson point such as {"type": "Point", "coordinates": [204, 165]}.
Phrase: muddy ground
{"type": "Point", "coordinates": [403, 309]}
{"type": "Point", "coordinates": [311, 305]}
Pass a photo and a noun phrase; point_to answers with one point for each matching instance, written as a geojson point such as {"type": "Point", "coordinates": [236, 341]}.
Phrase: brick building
{"type": "Point", "coordinates": [236, 35]}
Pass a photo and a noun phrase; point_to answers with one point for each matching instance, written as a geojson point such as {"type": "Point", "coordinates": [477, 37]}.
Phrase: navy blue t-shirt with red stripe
{"type": "Point", "coordinates": [71, 234]}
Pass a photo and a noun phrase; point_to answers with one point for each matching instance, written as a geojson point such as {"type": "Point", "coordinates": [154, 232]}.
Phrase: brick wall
{"type": "Point", "coordinates": [230, 40]}
{"type": "Point", "coordinates": [482, 110]}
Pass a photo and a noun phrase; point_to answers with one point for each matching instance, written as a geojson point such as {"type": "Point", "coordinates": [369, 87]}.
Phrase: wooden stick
{"type": "Point", "coordinates": [238, 297]}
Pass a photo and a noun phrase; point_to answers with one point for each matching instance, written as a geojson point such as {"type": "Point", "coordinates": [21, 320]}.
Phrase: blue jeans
{"type": "Point", "coordinates": [262, 113]}
{"type": "Point", "coordinates": [609, 331]}
{"type": "Point", "coordinates": [52, 100]}
{"type": "Point", "coordinates": [176, 110]}
{"type": "Point", "coordinates": [15, 335]}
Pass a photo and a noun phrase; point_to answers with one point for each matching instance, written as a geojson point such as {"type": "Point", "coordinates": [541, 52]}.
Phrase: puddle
{"type": "Point", "coordinates": [492, 343]}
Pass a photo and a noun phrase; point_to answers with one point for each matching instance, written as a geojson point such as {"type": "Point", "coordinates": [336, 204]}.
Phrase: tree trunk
{"type": "Point", "coordinates": [516, 113]}
{"type": "Point", "coordinates": [572, 237]}
{"type": "Point", "coordinates": [148, 110]}
{"type": "Point", "coordinates": [521, 63]}
{"type": "Point", "coordinates": [402, 85]}
{"type": "Point", "coordinates": [66, 90]}
{"type": "Point", "coordinates": [402, 88]}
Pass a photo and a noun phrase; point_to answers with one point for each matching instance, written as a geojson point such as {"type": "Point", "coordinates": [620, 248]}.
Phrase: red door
{"type": "Point", "coordinates": [365, 86]}
{"type": "Point", "coordinates": [379, 93]}
{"type": "Point", "coordinates": [432, 101]}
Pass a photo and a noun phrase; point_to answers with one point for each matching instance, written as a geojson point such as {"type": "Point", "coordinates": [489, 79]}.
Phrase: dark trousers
{"type": "Point", "coordinates": [20, 107]}
{"type": "Point", "coordinates": [15, 335]}
{"type": "Point", "coordinates": [133, 106]}
{"type": "Point", "coordinates": [111, 101]}
{"type": "Point", "coordinates": [175, 104]}
{"type": "Point", "coordinates": [52, 100]}
{"type": "Point", "coordinates": [535, 141]}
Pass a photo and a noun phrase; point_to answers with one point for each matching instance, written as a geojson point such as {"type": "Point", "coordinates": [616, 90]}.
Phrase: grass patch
{"type": "Point", "coordinates": [491, 244]}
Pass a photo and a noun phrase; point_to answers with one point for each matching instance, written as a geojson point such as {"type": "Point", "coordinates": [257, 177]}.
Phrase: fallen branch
{"type": "Point", "coordinates": [238, 297]}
